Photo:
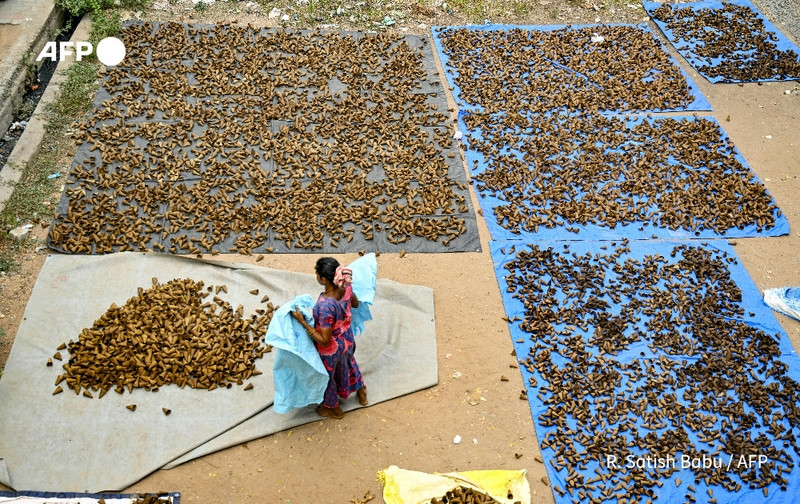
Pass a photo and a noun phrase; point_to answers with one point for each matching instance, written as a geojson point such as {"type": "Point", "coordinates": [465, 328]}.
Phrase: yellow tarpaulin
{"type": "Point", "coordinates": [401, 486]}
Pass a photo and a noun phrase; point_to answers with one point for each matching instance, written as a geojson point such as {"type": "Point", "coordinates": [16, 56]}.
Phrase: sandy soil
{"type": "Point", "coordinates": [336, 461]}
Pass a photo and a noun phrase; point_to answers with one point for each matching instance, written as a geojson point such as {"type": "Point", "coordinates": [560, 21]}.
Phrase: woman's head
{"type": "Point", "coordinates": [326, 268]}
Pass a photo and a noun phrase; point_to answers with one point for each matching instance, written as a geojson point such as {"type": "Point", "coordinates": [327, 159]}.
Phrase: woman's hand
{"type": "Point", "coordinates": [323, 336]}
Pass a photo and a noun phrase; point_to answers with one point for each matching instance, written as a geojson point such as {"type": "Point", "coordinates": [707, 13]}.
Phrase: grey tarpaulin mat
{"type": "Point", "coordinates": [396, 354]}
{"type": "Point", "coordinates": [82, 444]}
{"type": "Point", "coordinates": [83, 498]}
{"type": "Point", "coordinates": [225, 138]}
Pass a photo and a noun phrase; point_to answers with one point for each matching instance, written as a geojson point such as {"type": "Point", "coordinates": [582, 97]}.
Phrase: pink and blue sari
{"type": "Point", "coordinates": [338, 356]}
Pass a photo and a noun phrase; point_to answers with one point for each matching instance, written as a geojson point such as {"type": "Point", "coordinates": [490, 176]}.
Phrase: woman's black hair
{"type": "Point", "coordinates": [326, 268]}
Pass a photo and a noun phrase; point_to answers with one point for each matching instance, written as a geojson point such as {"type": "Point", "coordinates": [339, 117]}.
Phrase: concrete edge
{"type": "Point", "coordinates": [30, 142]}
{"type": "Point", "coordinates": [11, 96]}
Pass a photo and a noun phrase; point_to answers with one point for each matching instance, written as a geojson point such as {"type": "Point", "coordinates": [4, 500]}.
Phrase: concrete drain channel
{"type": "Point", "coordinates": [34, 87]}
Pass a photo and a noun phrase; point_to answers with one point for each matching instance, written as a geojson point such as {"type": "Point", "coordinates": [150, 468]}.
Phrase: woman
{"type": "Point", "coordinates": [333, 336]}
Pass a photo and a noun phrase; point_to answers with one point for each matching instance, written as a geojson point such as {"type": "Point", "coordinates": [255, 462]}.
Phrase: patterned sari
{"type": "Point", "coordinates": [338, 356]}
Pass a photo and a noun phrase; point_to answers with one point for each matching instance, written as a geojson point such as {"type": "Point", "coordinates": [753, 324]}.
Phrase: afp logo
{"type": "Point", "coordinates": [110, 51]}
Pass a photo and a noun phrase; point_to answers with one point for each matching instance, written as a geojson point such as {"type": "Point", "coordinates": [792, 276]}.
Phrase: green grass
{"type": "Point", "coordinates": [363, 15]}
{"type": "Point", "coordinates": [319, 10]}
{"type": "Point", "coordinates": [105, 23]}
{"type": "Point", "coordinates": [520, 9]}
{"type": "Point", "coordinates": [474, 11]}
{"type": "Point", "coordinates": [136, 4]}
{"type": "Point", "coordinates": [502, 11]}
{"type": "Point", "coordinates": [75, 98]}
{"type": "Point", "coordinates": [78, 7]}
{"type": "Point", "coordinates": [104, 14]}
{"type": "Point", "coordinates": [7, 262]}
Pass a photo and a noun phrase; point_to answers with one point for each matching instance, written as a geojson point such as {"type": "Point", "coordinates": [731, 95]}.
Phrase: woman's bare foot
{"type": "Point", "coordinates": [336, 412]}
{"type": "Point", "coordinates": [362, 395]}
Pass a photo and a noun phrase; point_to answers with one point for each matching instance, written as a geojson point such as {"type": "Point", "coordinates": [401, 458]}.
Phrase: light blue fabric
{"type": "Point", "coordinates": [365, 277]}
{"type": "Point", "coordinates": [785, 300]}
{"type": "Point", "coordinates": [298, 373]}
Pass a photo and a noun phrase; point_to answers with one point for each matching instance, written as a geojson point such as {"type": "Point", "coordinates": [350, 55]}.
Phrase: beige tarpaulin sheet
{"type": "Point", "coordinates": [71, 443]}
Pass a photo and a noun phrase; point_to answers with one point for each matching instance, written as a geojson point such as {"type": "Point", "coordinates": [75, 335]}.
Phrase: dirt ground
{"type": "Point", "coordinates": [337, 461]}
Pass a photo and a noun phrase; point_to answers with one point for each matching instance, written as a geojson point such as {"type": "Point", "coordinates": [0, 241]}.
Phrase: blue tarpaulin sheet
{"type": "Point", "coordinates": [558, 59]}
{"type": "Point", "coordinates": [640, 353]}
{"type": "Point", "coordinates": [692, 182]}
{"type": "Point", "coordinates": [728, 41]}
{"type": "Point", "coordinates": [534, 139]}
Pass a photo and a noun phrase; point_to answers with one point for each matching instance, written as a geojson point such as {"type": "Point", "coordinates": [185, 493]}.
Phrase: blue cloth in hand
{"type": "Point", "coordinates": [299, 375]}
{"type": "Point", "coordinates": [365, 277]}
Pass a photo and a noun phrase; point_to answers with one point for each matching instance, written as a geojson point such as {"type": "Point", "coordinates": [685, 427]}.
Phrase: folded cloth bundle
{"type": "Point", "coordinates": [298, 373]}
{"type": "Point", "coordinates": [299, 376]}
{"type": "Point", "coordinates": [785, 300]}
{"type": "Point", "coordinates": [365, 277]}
